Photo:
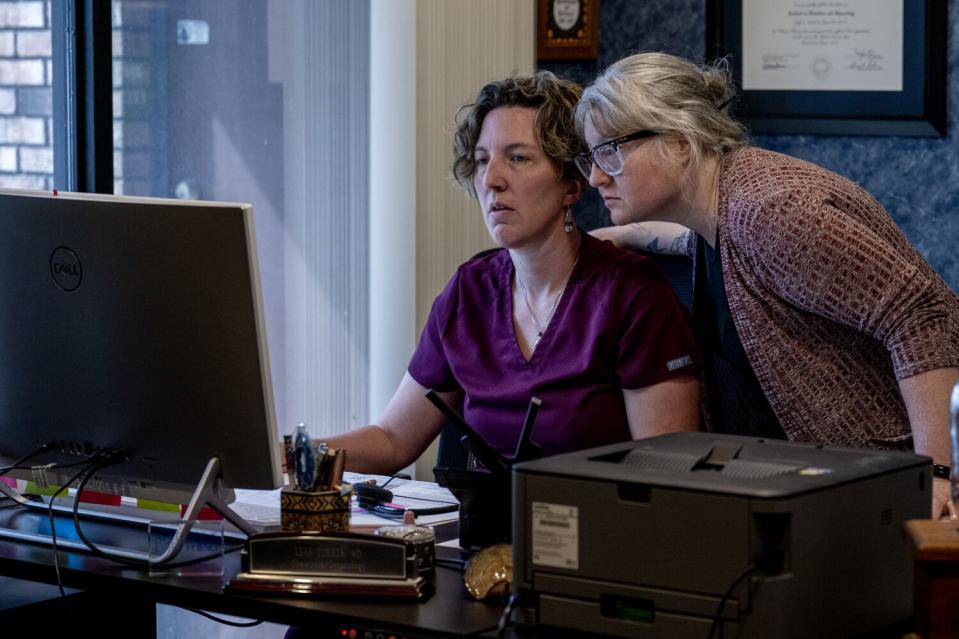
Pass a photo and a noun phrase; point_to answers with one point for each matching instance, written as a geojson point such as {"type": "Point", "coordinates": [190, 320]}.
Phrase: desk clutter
{"type": "Point", "coordinates": [315, 553]}
{"type": "Point", "coordinates": [319, 500]}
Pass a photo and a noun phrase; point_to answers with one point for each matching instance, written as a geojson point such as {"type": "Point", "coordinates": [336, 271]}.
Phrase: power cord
{"type": "Point", "coordinates": [504, 619]}
{"type": "Point", "coordinates": [717, 618]}
{"type": "Point", "coordinates": [135, 563]}
{"type": "Point", "coordinates": [53, 521]}
{"type": "Point", "coordinates": [42, 448]}
{"type": "Point", "coordinates": [18, 465]}
{"type": "Point", "coordinates": [226, 622]}
{"type": "Point", "coordinates": [396, 476]}
{"type": "Point", "coordinates": [108, 458]}
{"type": "Point", "coordinates": [452, 564]}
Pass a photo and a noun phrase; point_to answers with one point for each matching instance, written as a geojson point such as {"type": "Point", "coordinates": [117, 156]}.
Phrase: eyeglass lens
{"type": "Point", "coordinates": [607, 157]}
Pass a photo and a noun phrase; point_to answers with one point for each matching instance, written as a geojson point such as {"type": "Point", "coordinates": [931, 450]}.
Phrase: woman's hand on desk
{"type": "Point", "coordinates": [942, 506]}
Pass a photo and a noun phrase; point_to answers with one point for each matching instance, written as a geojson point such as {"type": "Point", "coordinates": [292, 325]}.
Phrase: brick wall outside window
{"type": "Point", "coordinates": [26, 95]}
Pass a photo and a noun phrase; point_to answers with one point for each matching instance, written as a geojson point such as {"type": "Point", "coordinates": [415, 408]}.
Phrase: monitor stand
{"type": "Point", "coordinates": [206, 494]}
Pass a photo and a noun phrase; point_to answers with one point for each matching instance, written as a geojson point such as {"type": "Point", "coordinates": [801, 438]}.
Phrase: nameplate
{"type": "Point", "coordinates": [329, 555]}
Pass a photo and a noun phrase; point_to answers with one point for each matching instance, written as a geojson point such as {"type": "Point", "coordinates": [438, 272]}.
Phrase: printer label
{"type": "Point", "coordinates": [555, 535]}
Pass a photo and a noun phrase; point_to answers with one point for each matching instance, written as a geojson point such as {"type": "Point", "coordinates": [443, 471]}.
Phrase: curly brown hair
{"type": "Point", "coordinates": [555, 100]}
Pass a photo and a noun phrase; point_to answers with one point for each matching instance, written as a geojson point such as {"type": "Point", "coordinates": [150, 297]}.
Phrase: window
{"type": "Point", "coordinates": [269, 102]}
{"type": "Point", "coordinates": [264, 102]}
{"type": "Point", "coordinates": [26, 106]}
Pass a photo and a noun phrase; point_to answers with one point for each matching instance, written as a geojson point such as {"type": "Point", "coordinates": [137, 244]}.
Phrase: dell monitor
{"type": "Point", "coordinates": [135, 324]}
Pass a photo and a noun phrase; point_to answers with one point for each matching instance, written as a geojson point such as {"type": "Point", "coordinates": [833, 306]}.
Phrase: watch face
{"type": "Point", "coordinates": [566, 14]}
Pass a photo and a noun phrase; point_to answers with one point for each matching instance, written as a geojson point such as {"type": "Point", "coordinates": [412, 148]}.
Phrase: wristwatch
{"type": "Point", "coordinates": [941, 472]}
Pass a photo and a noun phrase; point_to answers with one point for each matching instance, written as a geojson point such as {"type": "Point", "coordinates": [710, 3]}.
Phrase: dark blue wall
{"type": "Point", "coordinates": [916, 179]}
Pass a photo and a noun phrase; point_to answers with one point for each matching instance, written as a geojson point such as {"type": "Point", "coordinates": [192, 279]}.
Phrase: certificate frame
{"type": "Point", "coordinates": [579, 41]}
{"type": "Point", "coordinates": [918, 110]}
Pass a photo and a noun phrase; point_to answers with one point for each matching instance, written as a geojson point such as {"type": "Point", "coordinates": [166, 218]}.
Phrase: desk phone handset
{"type": "Point", "coordinates": [484, 495]}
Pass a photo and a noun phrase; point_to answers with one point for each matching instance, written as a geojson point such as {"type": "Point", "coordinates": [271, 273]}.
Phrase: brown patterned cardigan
{"type": "Point", "coordinates": [832, 303]}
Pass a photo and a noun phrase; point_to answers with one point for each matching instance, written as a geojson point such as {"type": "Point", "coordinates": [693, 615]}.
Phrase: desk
{"type": "Point", "coordinates": [120, 602]}
{"type": "Point", "coordinates": [132, 594]}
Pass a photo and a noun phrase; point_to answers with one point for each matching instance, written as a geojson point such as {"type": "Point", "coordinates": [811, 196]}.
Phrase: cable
{"type": "Point", "coordinates": [135, 563]}
{"type": "Point", "coordinates": [50, 466]}
{"type": "Point", "coordinates": [396, 513]}
{"type": "Point", "coordinates": [226, 622]}
{"type": "Point", "coordinates": [504, 619]}
{"type": "Point", "coordinates": [396, 476]}
{"type": "Point", "coordinates": [108, 458]}
{"type": "Point", "coordinates": [42, 448]}
{"type": "Point", "coordinates": [454, 506]}
{"type": "Point", "coordinates": [53, 523]}
{"type": "Point", "coordinates": [717, 618]}
{"type": "Point", "coordinates": [56, 553]}
{"type": "Point", "coordinates": [452, 564]}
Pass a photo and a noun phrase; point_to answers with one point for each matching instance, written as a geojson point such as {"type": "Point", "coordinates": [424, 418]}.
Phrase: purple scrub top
{"type": "Point", "coordinates": [617, 326]}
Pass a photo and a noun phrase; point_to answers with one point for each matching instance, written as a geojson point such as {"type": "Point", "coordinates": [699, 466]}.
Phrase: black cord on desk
{"type": "Point", "coordinates": [53, 542]}
{"type": "Point", "coordinates": [452, 564]}
{"type": "Point", "coordinates": [134, 563]}
{"type": "Point", "coordinates": [396, 476]}
{"type": "Point", "coordinates": [103, 459]}
{"type": "Point", "coordinates": [717, 618]}
{"type": "Point", "coordinates": [51, 466]}
{"type": "Point", "coordinates": [42, 448]}
{"type": "Point", "coordinates": [226, 622]}
{"type": "Point", "coordinates": [53, 520]}
{"type": "Point", "coordinates": [504, 619]}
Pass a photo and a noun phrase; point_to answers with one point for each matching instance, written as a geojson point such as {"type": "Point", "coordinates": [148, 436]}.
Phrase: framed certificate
{"type": "Point", "coordinates": [837, 67]}
{"type": "Point", "coordinates": [567, 29]}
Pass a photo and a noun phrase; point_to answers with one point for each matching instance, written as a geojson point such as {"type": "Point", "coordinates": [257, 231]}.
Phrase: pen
{"type": "Point", "coordinates": [324, 467]}
{"type": "Point", "coordinates": [339, 463]}
{"type": "Point", "coordinates": [304, 460]}
{"type": "Point", "coordinates": [289, 454]}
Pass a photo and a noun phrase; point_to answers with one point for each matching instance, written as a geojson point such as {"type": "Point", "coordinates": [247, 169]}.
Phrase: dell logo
{"type": "Point", "coordinates": [69, 268]}
{"type": "Point", "coordinates": [65, 268]}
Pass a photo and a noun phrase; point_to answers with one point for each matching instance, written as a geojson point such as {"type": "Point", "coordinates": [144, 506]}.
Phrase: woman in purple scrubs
{"type": "Point", "coordinates": [594, 331]}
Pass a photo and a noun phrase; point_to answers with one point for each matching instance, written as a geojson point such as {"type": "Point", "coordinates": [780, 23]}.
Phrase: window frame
{"type": "Point", "coordinates": [82, 35]}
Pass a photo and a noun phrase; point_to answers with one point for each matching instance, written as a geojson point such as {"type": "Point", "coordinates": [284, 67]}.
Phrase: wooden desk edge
{"type": "Point", "coordinates": [934, 540]}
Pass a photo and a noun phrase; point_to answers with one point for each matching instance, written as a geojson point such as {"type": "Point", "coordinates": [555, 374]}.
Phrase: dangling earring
{"type": "Point", "coordinates": [568, 220]}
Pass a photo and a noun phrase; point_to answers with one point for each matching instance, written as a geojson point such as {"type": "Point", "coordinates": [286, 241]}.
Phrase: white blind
{"type": "Point", "coordinates": [325, 56]}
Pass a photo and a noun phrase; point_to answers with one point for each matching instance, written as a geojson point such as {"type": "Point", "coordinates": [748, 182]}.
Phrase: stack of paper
{"type": "Point", "coordinates": [262, 507]}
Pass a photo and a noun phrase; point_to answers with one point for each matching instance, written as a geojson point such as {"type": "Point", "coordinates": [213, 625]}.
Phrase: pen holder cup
{"type": "Point", "coordinates": [485, 505]}
{"type": "Point", "coordinates": [322, 511]}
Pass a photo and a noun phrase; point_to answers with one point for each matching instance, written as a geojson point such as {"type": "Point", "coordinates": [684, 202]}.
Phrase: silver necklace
{"type": "Point", "coordinates": [552, 307]}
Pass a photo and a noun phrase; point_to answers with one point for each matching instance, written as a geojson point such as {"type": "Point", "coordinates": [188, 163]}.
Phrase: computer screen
{"type": "Point", "coordinates": [135, 324]}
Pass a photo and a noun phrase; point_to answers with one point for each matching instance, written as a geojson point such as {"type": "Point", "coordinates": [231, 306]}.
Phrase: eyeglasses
{"type": "Point", "coordinates": [607, 156]}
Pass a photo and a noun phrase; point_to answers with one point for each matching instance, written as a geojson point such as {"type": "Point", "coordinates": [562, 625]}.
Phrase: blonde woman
{"type": "Point", "coordinates": [817, 320]}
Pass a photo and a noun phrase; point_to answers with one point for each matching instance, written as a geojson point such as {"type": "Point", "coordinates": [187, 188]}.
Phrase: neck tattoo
{"type": "Point", "coordinates": [540, 329]}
